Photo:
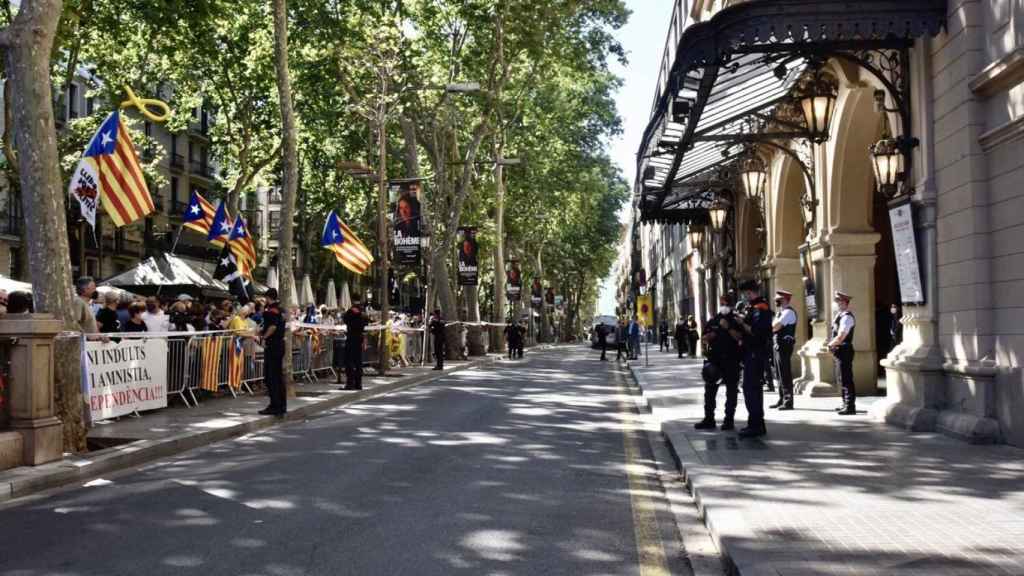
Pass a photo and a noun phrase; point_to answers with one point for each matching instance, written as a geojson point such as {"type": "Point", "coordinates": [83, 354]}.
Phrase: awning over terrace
{"type": "Point", "coordinates": [726, 77]}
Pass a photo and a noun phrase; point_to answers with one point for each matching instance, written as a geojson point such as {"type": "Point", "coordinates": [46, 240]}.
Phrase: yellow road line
{"type": "Point", "coordinates": [649, 547]}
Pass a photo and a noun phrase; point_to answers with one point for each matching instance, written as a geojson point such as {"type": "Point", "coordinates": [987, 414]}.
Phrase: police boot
{"type": "Point", "coordinates": [706, 424]}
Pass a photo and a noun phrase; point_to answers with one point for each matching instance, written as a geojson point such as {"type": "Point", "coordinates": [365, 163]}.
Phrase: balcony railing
{"type": "Point", "coordinates": [200, 168]}
{"type": "Point", "coordinates": [177, 161]}
{"type": "Point", "coordinates": [11, 222]}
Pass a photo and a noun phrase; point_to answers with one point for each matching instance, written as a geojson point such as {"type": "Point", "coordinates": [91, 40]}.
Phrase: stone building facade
{"type": "Point", "coordinates": [945, 75]}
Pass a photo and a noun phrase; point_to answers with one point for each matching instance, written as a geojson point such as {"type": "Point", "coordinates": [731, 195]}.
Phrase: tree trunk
{"type": "Point", "coordinates": [498, 314]}
{"type": "Point", "coordinates": [474, 333]}
{"type": "Point", "coordinates": [446, 299]}
{"type": "Point", "coordinates": [382, 225]}
{"type": "Point", "coordinates": [29, 41]}
{"type": "Point", "coordinates": [286, 234]}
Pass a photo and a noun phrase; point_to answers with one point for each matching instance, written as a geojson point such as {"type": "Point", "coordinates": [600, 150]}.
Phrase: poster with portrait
{"type": "Point", "coordinates": [468, 269]}
{"type": "Point", "coordinates": [536, 293]}
{"type": "Point", "coordinates": [514, 282]}
{"type": "Point", "coordinates": [549, 296]}
{"type": "Point", "coordinates": [810, 290]}
{"type": "Point", "coordinates": [405, 206]}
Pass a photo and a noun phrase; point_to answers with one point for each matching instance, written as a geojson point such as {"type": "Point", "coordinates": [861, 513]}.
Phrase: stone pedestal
{"type": "Point", "coordinates": [31, 385]}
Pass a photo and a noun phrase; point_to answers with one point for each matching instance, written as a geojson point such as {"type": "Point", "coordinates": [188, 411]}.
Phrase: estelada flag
{"type": "Point", "coordinates": [109, 173]}
{"type": "Point", "coordinates": [242, 246]}
{"type": "Point", "coordinates": [220, 227]}
{"type": "Point", "coordinates": [198, 214]}
{"type": "Point", "coordinates": [235, 363]}
{"type": "Point", "coordinates": [347, 248]}
{"type": "Point", "coordinates": [211, 351]}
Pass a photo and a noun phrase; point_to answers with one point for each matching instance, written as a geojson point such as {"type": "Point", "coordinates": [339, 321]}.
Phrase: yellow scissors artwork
{"type": "Point", "coordinates": [146, 106]}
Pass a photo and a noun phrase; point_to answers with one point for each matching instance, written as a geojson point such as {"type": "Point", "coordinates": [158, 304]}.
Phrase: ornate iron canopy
{"type": "Point", "coordinates": [727, 82]}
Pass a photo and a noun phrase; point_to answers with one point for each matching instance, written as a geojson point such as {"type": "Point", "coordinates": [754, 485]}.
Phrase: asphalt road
{"type": "Point", "coordinates": [524, 468]}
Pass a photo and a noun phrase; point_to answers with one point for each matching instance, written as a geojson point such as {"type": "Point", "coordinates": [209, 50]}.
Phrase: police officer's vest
{"type": "Point", "coordinates": [848, 342]}
{"type": "Point", "coordinates": [787, 334]}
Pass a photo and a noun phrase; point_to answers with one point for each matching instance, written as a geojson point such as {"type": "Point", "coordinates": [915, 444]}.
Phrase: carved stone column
{"type": "Point", "coordinates": [31, 385]}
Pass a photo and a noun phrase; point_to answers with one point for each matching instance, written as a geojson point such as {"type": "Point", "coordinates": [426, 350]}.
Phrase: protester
{"type": "Point", "coordinates": [154, 317]}
{"type": "Point", "coordinates": [272, 334]}
{"type": "Point", "coordinates": [81, 306]}
{"type": "Point", "coordinates": [257, 311]}
{"type": "Point", "coordinates": [437, 330]}
{"type": "Point", "coordinates": [355, 323]}
{"type": "Point", "coordinates": [178, 319]}
{"type": "Point", "coordinates": [19, 303]}
{"type": "Point", "coordinates": [124, 301]}
{"type": "Point", "coordinates": [239, 323]}
{"type": "Point", "coordinates": [310, 316]}
{"type": "Point", "coordinates": [135, 321]}
{"type": "Point", "coordinates": [107, 318]}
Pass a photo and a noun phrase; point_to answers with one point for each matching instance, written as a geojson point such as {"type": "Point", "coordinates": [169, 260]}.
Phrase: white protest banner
{"type": "Point", "coordinates": [126, 376]}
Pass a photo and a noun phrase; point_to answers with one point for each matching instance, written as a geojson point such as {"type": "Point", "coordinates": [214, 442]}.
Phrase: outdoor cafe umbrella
{"type": "Point", "coordinates": [332, 296]}
{"type": "Point", "coordinates": [294, 295]}
{"type": "Point", "coordinates": [346, 299]}
{"type": "Point", "coordinates": [307, 291]}
{"type": "Point", "coordinates": [272, 278]}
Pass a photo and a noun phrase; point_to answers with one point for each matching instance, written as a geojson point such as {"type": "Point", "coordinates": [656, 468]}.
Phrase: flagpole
{"type": "Point", "coordinates": [174, 246]}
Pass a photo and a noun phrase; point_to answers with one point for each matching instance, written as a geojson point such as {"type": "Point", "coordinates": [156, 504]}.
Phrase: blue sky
{"type": "Point", "coordinates": [643, 38]}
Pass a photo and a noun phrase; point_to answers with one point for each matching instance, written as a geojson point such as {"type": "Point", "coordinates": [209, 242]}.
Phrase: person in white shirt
{"type": "Point", "coordinates": [784, 333]}
{"type": "Point", "coordinates": [154, 317]}
{"type": "Point", "coordinates": [841, 346]}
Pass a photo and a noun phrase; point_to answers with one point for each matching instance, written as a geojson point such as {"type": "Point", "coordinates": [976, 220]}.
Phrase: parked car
{"type": "Point", "coordinates": [610, 322]}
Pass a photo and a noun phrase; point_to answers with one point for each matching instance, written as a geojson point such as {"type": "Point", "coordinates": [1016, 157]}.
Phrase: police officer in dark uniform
{"type": "Point", "coordinates": [437, 331]}
{"type": "Point", "coordinates": [784, 327]}
{"type": "Point", "coordinates": [602, 340]}
{"type": "Point", "coordinates": [722, 336]}
{"type": "Point", "coordinates": [272, 333]}
{"type": "Point", "coordinates": [841, 345]}
{"type": "Point", "coordinates": [355, 323]}
{"type": "Point", "coordinates": [515, 342]}
{"type": "Point", "coordinates": [757, 337]}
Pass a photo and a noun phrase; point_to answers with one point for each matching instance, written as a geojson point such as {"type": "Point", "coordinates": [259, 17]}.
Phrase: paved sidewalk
{"type": "Point", "coordinates": [130, 441]}
{"type": "Point", "coordinates": [824, 494]}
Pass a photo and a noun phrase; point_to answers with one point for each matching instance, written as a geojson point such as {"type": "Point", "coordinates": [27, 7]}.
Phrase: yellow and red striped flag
{"type": "Point", "coordinates": [198, 214]}
{"type": "Point", "coordinates": [347, 247]}
{"type": "Point", "coordinates": [242, 247]}
{"type": "Point", "coordinates": [210, 379]}
{"type": "Point", "coordinates": [235, 363]}
{"type": "Point", "coordinates": [109, 173]}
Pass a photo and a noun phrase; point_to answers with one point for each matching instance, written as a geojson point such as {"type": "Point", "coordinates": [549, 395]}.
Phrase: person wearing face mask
{"type": "Point", "coordinates": [784, 327]}
{"type": "Point", "coordinates": [722, 335]}
{"type": "Point", "coordinates": [841, 346]}
{"type": "Point", "coordinates": [757, 334]}
{"type": "Point", "coordinates": [895, 326]}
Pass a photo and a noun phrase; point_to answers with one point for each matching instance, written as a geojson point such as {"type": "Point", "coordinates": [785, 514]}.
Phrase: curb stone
{"type": "Point", "coordinates": [702, 551]}
{"type": "Point", "coordinates": [688, 464]}
{"type": "Point", "coordinates": [28, 480]}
